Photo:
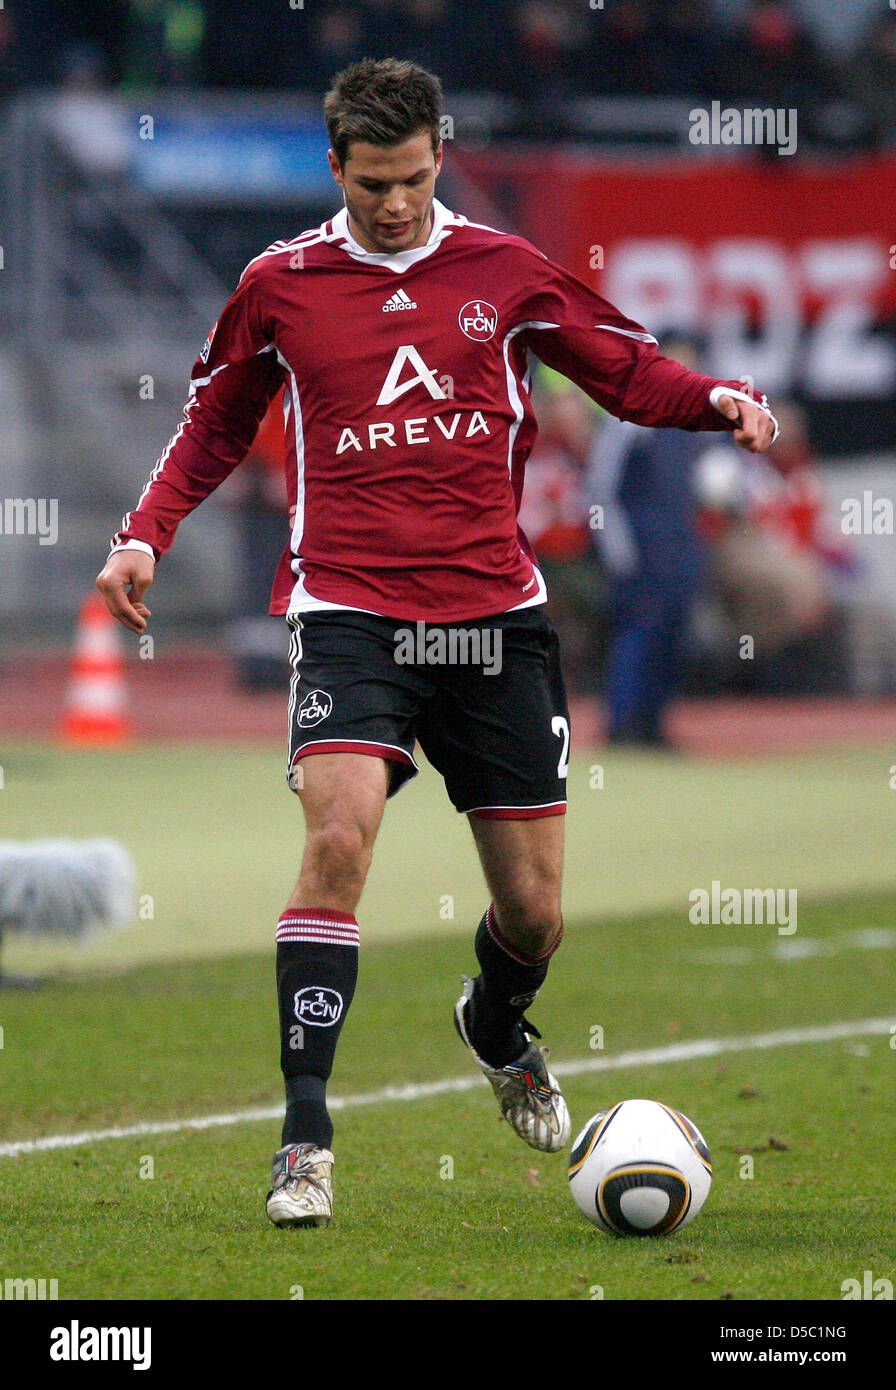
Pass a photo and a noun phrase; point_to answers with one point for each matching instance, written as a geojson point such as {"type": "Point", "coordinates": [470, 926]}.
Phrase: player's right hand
{"type": "Point", "coordinates": [122, 582]}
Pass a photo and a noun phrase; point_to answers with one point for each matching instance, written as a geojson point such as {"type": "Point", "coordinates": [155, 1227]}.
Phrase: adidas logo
{"type": "Point", "coordinates": [399, 300]}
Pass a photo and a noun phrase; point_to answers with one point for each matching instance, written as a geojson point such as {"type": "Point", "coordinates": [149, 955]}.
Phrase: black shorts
{"type": "Point", "coordinates": [484, 699]}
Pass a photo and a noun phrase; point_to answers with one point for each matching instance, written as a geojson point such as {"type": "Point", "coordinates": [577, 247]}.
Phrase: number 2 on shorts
{"type": "Point", "coordinates": [560, 726]}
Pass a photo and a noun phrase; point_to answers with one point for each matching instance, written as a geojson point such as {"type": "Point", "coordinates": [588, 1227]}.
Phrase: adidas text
{"type": "Point", "coordinates": [399, 301]}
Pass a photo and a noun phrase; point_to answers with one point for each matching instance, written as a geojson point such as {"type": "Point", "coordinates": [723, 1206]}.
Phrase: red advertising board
{"type": "Point", "coordinates": [788, 269]}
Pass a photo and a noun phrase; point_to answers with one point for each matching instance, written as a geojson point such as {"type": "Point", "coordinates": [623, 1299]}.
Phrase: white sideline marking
{"type": "Point", "coordinates": [651, 1056]}
{"type": "Point", "coordinates": [801, 948]}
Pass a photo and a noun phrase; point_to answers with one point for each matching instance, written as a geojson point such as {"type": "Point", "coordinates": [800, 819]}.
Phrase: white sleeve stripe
{"type": "Point", "coordinates": [627, 333]}
{"type": "Point", "coordinates": [204, 380]}
{"type": "Point", "coordinates": [198, 381]}
{"type": "Point", "coordinates": [314, 234]}
{"type": "Point", "coordinates": [608, 327]}
{"type": "Point", "coordinates": [513, 394]}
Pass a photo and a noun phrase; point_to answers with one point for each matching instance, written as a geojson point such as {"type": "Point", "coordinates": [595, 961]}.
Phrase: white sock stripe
{"type": "Point", "coordinates": [320, 941]}
{"type": "Point", "coordinates": [318, 931]}
{"type": "Point", "coordinates": [349, 924]}
{"type": "Point", "coordinates": [319, 934]}
{"type": "Point", "coordinates": [311, 914]}
{"type": "Point", "coordinates": [344, 927]}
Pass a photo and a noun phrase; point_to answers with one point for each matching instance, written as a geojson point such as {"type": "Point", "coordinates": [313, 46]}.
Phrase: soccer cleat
{"type": "Point", "coordinates": [530, 1099]}
{"type": "Point", "coordinates": [301, 1186]}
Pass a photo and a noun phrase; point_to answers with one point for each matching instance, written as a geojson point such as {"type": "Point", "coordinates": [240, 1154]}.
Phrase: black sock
{"type": "Point", "coordinates": [503, 992]}
{"type": "Point", "coordinates": [317, 969]}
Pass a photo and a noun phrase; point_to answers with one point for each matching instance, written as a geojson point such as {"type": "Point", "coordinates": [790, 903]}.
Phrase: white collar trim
{"type": "Point", "coordinates": [443, 223]}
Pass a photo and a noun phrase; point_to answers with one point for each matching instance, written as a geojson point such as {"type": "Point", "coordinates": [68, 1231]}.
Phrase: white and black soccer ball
{"type": "Point", "coordinates": [640, 1169]}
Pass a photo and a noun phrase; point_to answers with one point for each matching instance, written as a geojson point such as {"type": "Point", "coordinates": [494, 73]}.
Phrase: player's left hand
{"type": "Point", "coordinates": [756, 428]}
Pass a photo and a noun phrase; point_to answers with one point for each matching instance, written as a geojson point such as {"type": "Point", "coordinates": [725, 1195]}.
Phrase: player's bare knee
{"type": "Point", "coordinates": [337, 854]}
{"type": "Point", "coordinates": [532, 921]}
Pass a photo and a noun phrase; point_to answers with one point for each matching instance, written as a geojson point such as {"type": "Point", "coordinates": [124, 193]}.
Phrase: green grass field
{"type": "Point", "coordinates": [436, 1199]}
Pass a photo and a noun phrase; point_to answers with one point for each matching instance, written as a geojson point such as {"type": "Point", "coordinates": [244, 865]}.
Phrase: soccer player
{"type": "Point", "coordinates": [401, 333]}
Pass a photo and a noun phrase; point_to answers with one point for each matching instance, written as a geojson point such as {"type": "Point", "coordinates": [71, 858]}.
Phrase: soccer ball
{"type": "Point", "coordinates": [640, 1169]}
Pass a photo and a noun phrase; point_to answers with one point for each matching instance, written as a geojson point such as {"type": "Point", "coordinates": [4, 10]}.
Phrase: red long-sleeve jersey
{"type": "Point", "coordinates": [407, 413]}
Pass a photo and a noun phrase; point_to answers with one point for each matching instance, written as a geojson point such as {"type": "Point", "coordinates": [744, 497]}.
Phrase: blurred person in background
{"type": "Point", "coordinates": [647, 537]}
{"type": "Point", "coordinates": [434, 33]}
{"type": "Point", "coordinates": [80, 47]}
{"type": "Point", "coordinates": [775, 560]}
{"type": "Point", "coordinates": [651, 48]}
{"type": "Point", "coordinates": [257, 492]}
{"type": "Point", "coordinates": [869, 78]}
{"type": "Point", "coordinates": [794, 505]}
{"type": "Point", "coordinates": [165, 42]}
{"type": "Point", "coordinates": [774, 61]}
{"type": "Point", "coordinates": [693, 55]}
{"type": "Point", "coordinates": [549, 37]}
{"type": "Point", "coordinates": [554, 516]}
{"type": "Point", "coordinates": [625, 55]}
{"type": "Point", "coordinates": [12, 64]}
{"type": "Point", "coordinates": [341, 34]}
{"type": "Point", "coordinates": [263, 46]}
{"type": "Point", "coordinates": [98, 44]}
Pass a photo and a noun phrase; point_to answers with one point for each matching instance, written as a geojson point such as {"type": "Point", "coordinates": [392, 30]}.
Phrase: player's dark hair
{"type": "Point", "coordinates": [382, 102]}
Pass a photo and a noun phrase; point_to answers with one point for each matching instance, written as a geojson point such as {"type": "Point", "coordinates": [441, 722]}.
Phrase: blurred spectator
{"type": "Point", "coordinates": [625, 57]}
{"type": "Point", "coordinates": [550, 37]}
{"type": "Point", "coordinates": [164, 45]}
{"type": "Point", "coordinates": [646, 48]}
{"type": "Point", "coordinates": [11, 65]}
{"type": "Point", "coordinates": [539, 51]}
{"type": "Point", "coordinates": [693, 47]}
{"type": "Point", "coordinates": [338, 37]}
{"type": "Point", "coordinates": [257, 491]}
{"type": "Point", "coordinates": [774, 61]}
{"type": "Point", "coordinates": [264, 45]}
{"type": "Point", "coordinates": [433, 37]}
{"type": "Point", "coordinates": [794, 505]}
{"type": "Point", "coordinates": [302, 49]}
{"type": "Point", "coordinates": [48, 44]}
{"type": "Point", "coordinates": [870, 79]}
{"type": "Point", "coordinates": [101, 43]}
{"type": "Point", "coordinates": [643, 481]}
{"type": "Point", "coordinates": [554, 518]}
{"type": "Point", "coordinates": [775, 559]}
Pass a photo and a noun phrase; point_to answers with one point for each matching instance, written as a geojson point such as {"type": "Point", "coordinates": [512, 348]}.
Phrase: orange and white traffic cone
{"type": "Point", "coordinates": [96, 707]}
